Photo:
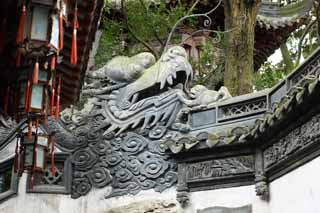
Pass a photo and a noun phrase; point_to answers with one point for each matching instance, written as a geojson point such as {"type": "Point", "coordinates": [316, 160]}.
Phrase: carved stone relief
{"type": "Point", "coordinates": [296, 140]}
{"type": "Point", "coordinates": [137, 103]}
{"type": "Point", "coordinates": [242, 109]}
{"type": "Point", "coordinates": [183, 199]}
{"type": "Point", "coordinates": [218, 168]}
{"type": "Point", "coordinates": [205, 174]}
{"type": "Point", "coordinates": [131, 162]}
{"type": "Point", "coordinates": [136, 119]}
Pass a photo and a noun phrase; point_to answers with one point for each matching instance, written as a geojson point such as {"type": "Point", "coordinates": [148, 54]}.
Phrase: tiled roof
{"type": "Point", "coordinates": [306, 92]}
{"type": "Point", "coordinates": [282, 104]}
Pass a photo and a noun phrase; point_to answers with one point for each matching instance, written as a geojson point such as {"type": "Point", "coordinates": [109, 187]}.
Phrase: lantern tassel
{"type": "Point", "coordinates": [21, 161]}
{"type": "Point", "coordinates": [52, 160]}
{"type": "Point", "coordinates": [18, 58]}
{"type": "Point", "coordinates": [58, 99]}
{"type": "Point", "coordinates": [37, 125]}
{"type": "Point", "coordinates": [53, 63]}
{"type": "Point", "coordinates": [57, 108]}
{"type": "Point", "coordinates": [30, 130]}
{"type": "Point", "coordinates": [16, 157]}
{"type": "Point", "coordinates": [74, 49]}
{"type": "Point", "coordinates": [35, 76]}
{"type": "Point", "coordinates": [21, 24]}
{"type": "Point", "coordinates": [60, 31]}
{"type": "Point", "coordinates": [53, 77]}
{"type": "Point", "coordinates": [6, 100]}
{"type": "Point", "coordinates": [26, 98]}
{"type": "Point", "coordinates": [35, 147]}
{"type": "Point", "coordinates": [52, 101]}
{"type": "Point", "coordinates": [31, 181]}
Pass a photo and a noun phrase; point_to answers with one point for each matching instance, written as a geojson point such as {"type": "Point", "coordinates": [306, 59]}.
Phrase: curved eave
{"type": "Point", "coordinates": [295, 98]}
{"type": "Point", "coordinates": [73, 75]}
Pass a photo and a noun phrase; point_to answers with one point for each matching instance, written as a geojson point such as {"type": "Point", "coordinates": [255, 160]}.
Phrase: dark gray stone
{"type": "Point", "coordinates": [243, 209]}
{"type": "Point", "coordinates": [203, 118]}
{"type": "Point", "coordinates": [297, 140]}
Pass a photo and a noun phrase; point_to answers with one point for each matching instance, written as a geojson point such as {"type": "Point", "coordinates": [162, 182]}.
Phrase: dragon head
{"type": "Point", "coordinates": [174, 66]}
{"type": "Point", "coordinates": [171, 70]}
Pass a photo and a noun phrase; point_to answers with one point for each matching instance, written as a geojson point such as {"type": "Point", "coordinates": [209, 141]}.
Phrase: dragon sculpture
{"type": "Point", "coordinates": [144, 92]}
{"type": "Point", "coordinates": [134, 103]}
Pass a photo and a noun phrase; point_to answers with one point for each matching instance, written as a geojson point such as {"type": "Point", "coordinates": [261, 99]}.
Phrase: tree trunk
{"type": "Point", "coordinates": [240, 18]}
{"type": "Point", "coordinates": [287, 59]}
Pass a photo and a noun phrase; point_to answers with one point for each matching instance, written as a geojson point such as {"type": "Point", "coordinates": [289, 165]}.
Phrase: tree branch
{"type": "Point", "coordinates": [317, 10]}
{"type": "Point", "coordinates": [154, 31]}
{"type": "Point", "coordinates": [286, 57]}
{"type": "Point", "coordinates": [192, 7]}
{"type": "Point", "coordinates": [301, 41]}
{"type": "Point", "coordinates": [134, 35]}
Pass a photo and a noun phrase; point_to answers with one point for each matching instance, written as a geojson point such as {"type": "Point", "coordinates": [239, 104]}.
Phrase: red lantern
{"type": "Point", "coordinates": [39, 38]}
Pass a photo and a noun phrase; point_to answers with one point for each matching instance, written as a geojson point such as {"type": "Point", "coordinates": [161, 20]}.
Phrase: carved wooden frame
{"type": "Point", "coordinates": [14, 181]}
{"type": "Point", "coordinates": [55, 189]}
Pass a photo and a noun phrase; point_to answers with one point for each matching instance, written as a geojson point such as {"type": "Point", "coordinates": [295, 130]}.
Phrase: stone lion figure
{"type": "Point", "coordinates": [204, 96]}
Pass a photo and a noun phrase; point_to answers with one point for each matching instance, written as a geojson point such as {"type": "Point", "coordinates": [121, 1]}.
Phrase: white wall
{"type": "Point", "coordinates": [228, 197]}
{"type": "Point", "coordinates": [94, 202]}
{"type": "Point", "coordinates": [296, 192]}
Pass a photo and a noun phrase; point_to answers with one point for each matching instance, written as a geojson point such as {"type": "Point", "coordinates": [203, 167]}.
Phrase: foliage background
{"type": "Point", "coordinates": [148, 24]}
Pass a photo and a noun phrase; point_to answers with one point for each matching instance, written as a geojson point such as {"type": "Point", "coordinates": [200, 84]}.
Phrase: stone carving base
{"type": "Point", "coordinates": [244, 209]}
{"type": "Point", "coordinates": [148, 206]}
